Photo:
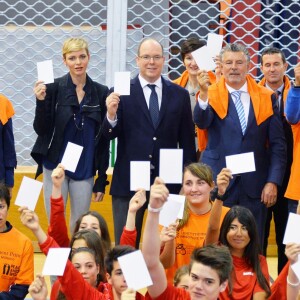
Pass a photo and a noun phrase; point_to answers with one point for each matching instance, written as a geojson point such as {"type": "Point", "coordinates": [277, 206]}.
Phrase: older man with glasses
{"type": "Point", "coordinates": [156, 115]}
{"type": "Point", "coordinates": [240, 117]}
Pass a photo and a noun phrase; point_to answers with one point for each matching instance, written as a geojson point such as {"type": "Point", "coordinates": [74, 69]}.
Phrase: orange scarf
{"type": "Point", "coordinates": [287, 86]}
{"type": "Point", "coordinates": [201, 133]}
{"type": "Point", "coordinates": [184, 78]}
{"type": "Point", "coordinates": [6, 109]}
{"type": "Point", "coordinates": [260, 97]}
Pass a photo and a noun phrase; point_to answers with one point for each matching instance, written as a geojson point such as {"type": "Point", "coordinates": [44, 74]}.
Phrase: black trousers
{"type": "Point", "coordinates": [279, 212]}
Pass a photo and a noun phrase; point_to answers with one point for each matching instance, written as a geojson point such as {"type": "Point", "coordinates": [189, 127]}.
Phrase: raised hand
{"type": "Point", "coordinates": [168, 233]}
{"type": "Point", "coordinates": [58, 176]}
{"type": "Point", "coordinates": [158, 194]}
{"type": "Point", "coordinates": [137, 201]}
{"type": "Point", "coordinates": [112, 104]}
{"type": "Point", "coordinates": [38, 288]}
{"type": "Point", "coordinates": [40, 90]}
{"type": "Point", "coordinates": [223, 180]}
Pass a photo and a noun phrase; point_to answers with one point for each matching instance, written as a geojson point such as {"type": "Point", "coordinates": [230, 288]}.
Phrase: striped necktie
{"type": "Point", "coordinates": [236, 96]}
{"type": "Point", "coordinates": [153, 105]}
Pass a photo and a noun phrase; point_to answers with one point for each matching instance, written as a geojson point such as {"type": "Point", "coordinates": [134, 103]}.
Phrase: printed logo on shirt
{"type": "Point", "coordinates": [10, 270]}
{"type": "Point", "coordinates": [248, 273]}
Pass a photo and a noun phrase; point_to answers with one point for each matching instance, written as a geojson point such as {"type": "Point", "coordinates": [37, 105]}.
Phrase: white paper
{"type": "Point", "coordinates": [204, 59]}
{"type": "Point", "coordinates": [296, 267]}
{"type": "Point", "coordinates": [291, 234]}
{"type": "Point", "coordinates": [122, 83]}
{"type": "Point", "coordinates": [214, 44]}
{"type": "Point", "coordinates": [240, 163]}
{"type": "Point", "coordinates": [71, 157]}
{"type": "Point", "coordinates": [29, 193]}
{"type": "Point", "coordinates": [45, 71]}
{"type": "Point", "coordinates": [139, 175]}
{"type": "Point", "coordinates": [56, 261]}
{"type": "Point", "coordinates": [170, 165]}
{"type": "Point", "coordinates": [171, 210]}
{"type": "Point", "coordinates": [135, 270]}
{"type": "Point", "coordinates": [181, 200]}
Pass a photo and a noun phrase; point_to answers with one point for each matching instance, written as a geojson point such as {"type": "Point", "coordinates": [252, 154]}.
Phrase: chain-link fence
{"type": "Point", "coordinates": [33, 30]}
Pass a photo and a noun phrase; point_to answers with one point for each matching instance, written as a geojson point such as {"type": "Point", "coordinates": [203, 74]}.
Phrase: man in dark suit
{"type": "Point", "coordinates": [273, 66]}
{"type": "Point", "coordinates": [156, 115]}
{"type": "Point", "coordinates": [242, 117]}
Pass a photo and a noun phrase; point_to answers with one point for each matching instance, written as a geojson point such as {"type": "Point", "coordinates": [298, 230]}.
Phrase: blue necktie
{"type": "Point", "coordinates": [236, 96]}
{"type": "Point", "coordinates": [153, 105]}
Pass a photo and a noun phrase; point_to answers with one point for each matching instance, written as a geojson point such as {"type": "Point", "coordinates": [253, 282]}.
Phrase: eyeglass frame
{"type": "Point", "coordinates": [147, 58]}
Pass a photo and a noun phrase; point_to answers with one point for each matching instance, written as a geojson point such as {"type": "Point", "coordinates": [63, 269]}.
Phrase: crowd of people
{"type": "Point", "coordinates": [217, 250]}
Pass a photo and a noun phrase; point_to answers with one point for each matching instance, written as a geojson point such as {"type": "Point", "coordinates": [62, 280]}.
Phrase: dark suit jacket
{"type": "Point", "coordinates": [265, 140]}
{"type": "Point", "coordinates": [138, 140]}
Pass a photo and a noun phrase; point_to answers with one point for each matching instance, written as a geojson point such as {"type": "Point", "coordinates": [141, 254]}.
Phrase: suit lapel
{"type": "Point", "coordinates": [251, 117]}
{"type": "Point", "coordinates": [164, 100]}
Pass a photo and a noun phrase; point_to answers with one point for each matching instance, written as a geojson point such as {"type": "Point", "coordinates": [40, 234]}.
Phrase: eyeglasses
{"type": "Point", "coordinates": [148, 58]}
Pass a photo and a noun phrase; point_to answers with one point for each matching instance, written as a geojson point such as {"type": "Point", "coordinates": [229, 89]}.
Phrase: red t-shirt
{"type": "Point", "coordinates": [171, 293]}
{"type": "Point", "coordinates": [244, 283]}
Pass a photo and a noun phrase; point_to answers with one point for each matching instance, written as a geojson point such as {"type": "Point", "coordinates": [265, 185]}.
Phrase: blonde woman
{"type": "Point", "coordinates": [71, 110]}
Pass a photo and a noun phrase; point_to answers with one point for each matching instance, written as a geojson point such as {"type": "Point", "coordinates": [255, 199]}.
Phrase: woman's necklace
{"type": "Point", "coordinates": [82, 122]}
{"type": "Point", "coordinates": [208, 210]}
{"type": "Point", "coordinates": [196, 211]}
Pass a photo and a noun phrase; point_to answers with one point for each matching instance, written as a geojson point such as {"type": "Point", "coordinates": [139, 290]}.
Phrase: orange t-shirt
{"type": "Point", "coordinates": [190, 236]}
{"type": "Point", "coordinates": [16, 259]}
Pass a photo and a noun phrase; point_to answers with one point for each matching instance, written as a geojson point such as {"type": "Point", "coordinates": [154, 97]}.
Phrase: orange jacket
{"type": "Point", "coordinates": [6, 109]}
{"type": "Point", "coordinates": [201, 133]}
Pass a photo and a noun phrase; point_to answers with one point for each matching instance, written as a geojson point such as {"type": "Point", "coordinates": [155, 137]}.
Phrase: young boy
{"type": "Point", "coordinates": [16, 255]}
{"type": "Point", "coordinates": [210, 267]}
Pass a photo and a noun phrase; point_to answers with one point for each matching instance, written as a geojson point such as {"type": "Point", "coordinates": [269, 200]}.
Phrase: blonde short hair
{"type": "Point", "coordinates": [74, 44]}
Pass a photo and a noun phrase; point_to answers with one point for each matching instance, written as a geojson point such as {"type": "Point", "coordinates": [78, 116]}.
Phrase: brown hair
{"type": "Point", "coordinates": [202, 171]}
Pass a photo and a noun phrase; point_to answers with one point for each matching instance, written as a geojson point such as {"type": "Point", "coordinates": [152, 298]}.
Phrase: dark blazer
{"type": "Point", "coordinates": [52, 116]}
{"type": "Point", "coordinates": [138, 140]}
{"type": "Point", "coordinates": [225, 137]}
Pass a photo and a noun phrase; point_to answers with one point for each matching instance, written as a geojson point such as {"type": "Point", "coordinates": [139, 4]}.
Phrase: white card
{"type": "Point", "coordinates": [45, 71]}
{"type": "Point", "coordinates": [139, 175]}
{"type": "Point", "coordinates": [171, 210]}
{"type": "Point", "coordinates": [181, 200]}
{"type": "Point", "coordinates": [29, 193]}
{"type": "Point", "coordinates": [122, 83]}
{"type": "Point", "coordinates": [56, 261]}
{"type": "Point", "coordinates": [135, 270]}
{"type": "Point", "coordinates": [170, 165]}
{"type": "Point", "coordinates": [214, 44]}
{"type": "Point", "coordinates": [71, 157]}
{"type": "Point", "coordinates": [291, 234]}
{"type": "Point", "coordinates": [204, 59]}
{"type": "Point", "coordinates": [240, 163]}
{"type": "Point", "coordinates": [296, 267]}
